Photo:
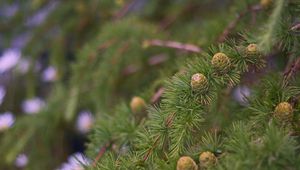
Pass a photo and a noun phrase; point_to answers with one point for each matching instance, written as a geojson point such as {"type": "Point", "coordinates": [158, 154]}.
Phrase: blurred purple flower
{"type": "Point", "coordinates": [85, 121]}
{"type": "Point", "coordinates": [2, 94]}
{"type": "Point", "coordinates": [21, 161]}
{"type": "Point", "coordinates": [33, 106]}
{"type": "Point", "coordinates": [9, 59]}
{"type": "Point", "coordinates": [9, 10]}
{"type": "Point", "coordinates": [241, 93]}
{"type": "Point", "coordinates": [49, 74]}
{"type": "Point", "coordinates": [7, 119]}
{"type": "Point", "coordinates": [76, 161]}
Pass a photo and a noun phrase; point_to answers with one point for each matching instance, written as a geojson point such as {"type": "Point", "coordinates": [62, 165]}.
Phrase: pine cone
{"type": "Point", "coordinates": [252, 49]}
{"type": "Point", "coordinates": [199, 82]}
{"type": "Point", "coordinates": [137, 104]}
{"type": "Point", "coordinates": [284, 112]}
{"type": "Point", "coordinates": [220, 62]}
{"type": "Point", "coordinates": [266, 3]}
{"type": "Point", "coordinates": [186, 163]}
{"type": "Point", "coordinates": [207, 159]}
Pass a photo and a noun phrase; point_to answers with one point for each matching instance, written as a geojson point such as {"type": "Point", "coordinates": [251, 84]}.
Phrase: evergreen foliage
{"type": "Point", "coordinates": [159, 100]}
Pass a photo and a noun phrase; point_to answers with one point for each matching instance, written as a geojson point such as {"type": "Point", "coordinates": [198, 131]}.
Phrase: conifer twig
{"type": "Point", "coordinates": [157, 95]}
{"type": "Point", "coordinates": [172, 44]}
{"type": "Point", "coordinates": [296, 27]}
{"type": "Point", "coordinates": [151, 149]}
{"type": "Point", "coordinates": [233, 23]}
{"type": "Point", "coordinates": [157, 59]}
{"type": "Point", "coordinates": [168, 124]}
{"type": "Point", "coordinates": [291, 70]}
{"type": "Point", "coordinates": [131, 69]}
{"type": "Point", "coordinates": [101, 152]}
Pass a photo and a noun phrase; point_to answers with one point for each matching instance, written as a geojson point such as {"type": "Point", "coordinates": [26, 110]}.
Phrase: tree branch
{"type": "Point", "coordinates": [172, 44]}
{"type": "Point", "coordinates": [157, 95]}
{"type": "Point", "coordinates": [101, 152]}
{"type": "Point", "coordinates": [291, 70]}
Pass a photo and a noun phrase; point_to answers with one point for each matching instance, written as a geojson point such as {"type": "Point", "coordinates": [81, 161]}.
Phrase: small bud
{"type": "Point", "coordinates": [284, 112]}
{"type": "Point", "coordinates": [186, 163]}
{"type": "Point", "coordinates": [137, 104]}
{"type": "Point", "coordinates": [207, 159]}
{"type": "Point", "coordinates": [199, 82]}
{"type": "Point", "coordinates": [266, 3]}
{"type": "Point", "coordinates": [220, 62]}
{"type": "Point", "coordinates": [252, 49]}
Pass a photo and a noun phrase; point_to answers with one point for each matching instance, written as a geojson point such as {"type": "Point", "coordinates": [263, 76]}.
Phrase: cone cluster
{"type": "Point", "coordinates": [206, 159]}
{"type": "Point", "coordinates": [186, 163]}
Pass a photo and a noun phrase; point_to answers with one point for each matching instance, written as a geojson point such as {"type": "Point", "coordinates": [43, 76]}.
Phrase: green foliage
{"type": "Point", "coordinates": [113, 60]}
{"type": "Point", "coordinates": [176, 127]}
{"type": "Point", "coordinates": [274, 149]}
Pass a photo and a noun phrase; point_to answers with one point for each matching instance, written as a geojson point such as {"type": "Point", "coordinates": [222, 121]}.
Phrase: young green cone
{"type": "Point", "coordinates": [186, 163]}
{"type": "Point", "coordinates": [220, 62]}
{"type": "Point", "coordinates": [207, 159]}
{"type": "Point", "coordinates": [284, 112]}
{"type": "Point", "coordinates": [199, 82]}
{"type": "Point", "coordinates": [252, 49]}
{"type": "Point", "coordinates": [137, 104]}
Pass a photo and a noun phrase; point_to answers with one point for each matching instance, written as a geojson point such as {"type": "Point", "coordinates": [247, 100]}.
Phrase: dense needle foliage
{"type": "Point", "coordinates": [210, 83]}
